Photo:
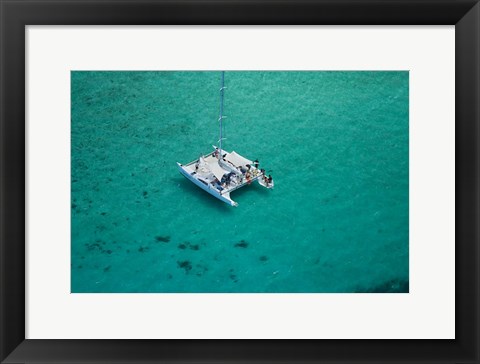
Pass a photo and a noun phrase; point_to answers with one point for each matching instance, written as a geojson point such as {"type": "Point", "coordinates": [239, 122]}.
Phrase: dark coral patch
{"type": "Point", "coordinates": [241, 244]}
{"type": "Point", "coordinates": [186, 265]}
{"type": "Point", "coordinates": [263, 258]}
{"type": "Point", "coordinates": [233, 277]}
{"type": "Point", "coordinates": [163, 239]}
{"type": "Point", "coordinates": [93, 246]}
{"type": "Point", "coordinates": [188, 245]}
{"type": "Point", "coordinates": [391, 286]}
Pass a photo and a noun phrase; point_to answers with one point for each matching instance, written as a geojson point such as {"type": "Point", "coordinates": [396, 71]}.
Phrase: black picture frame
{"type": "Point", "coordinates": [16, 14]}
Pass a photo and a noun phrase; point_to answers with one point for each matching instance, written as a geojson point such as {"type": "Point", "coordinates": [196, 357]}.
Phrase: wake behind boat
{"type": "Point", "coordinates": [221, 172]}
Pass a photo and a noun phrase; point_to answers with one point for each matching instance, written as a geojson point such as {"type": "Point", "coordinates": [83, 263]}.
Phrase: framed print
{"type": "Point", "coordinates": [195, 182]}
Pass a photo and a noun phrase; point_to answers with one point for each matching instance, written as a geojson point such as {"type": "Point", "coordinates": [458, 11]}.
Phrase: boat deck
{"type": "Point", "coordinates": [219, 178]}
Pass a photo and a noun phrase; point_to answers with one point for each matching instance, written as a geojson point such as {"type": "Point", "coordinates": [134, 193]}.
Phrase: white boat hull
{"type": "Point", "coordinates": [225, 197]}
{"type": "Point", "coordinates": [265, 184]}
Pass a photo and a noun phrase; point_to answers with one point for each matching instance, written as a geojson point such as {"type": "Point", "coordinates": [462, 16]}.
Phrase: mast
{"type": "Point", "coordinates": [220, 119]}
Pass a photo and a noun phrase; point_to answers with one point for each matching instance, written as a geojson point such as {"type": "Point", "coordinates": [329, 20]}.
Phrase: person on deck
{"type": "Point", "coordinates": [265, 179]}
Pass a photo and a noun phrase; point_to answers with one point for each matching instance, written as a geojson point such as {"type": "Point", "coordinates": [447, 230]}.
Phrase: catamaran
{"type": "Point", "coordinates": [221, 172]}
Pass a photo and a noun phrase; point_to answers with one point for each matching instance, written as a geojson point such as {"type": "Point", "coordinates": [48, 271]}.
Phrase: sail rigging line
{"type": "Point", "coordinates": [221, 117]}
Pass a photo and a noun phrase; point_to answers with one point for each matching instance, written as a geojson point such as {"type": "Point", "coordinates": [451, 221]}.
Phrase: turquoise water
{"type": "Point", "coordinates": [336, 144]}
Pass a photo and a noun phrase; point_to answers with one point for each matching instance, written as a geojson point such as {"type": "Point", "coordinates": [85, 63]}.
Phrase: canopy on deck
{"type": "Point", "coordinates": [237, 159]}
{"type": "Point", "coordinates": [216, 169]}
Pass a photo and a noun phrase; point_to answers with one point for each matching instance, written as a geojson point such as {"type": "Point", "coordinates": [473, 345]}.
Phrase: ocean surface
{"type": "Point", "coordinates": [336, 144]}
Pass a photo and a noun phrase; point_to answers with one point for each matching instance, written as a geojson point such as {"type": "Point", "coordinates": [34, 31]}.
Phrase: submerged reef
{"type": "Point", "coordinates": [143, 249]}
{"type": "Point", "coordinates": [233, 277]}
{"type": "Point", "coordinates": [241, 244]}
{"type": "Point", "coordinates": [188, 245]}
{"type": "Point", "coordinates": [185, 264]}
{"type": "Point", "coordinates": [98, 245]}
{"type": "Point", "coordinates": [163, 239]}
{"type": "Point", "coordinates": [199, 269]}
{"type": "Point", "coordinates": [391, 286]}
